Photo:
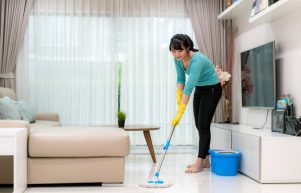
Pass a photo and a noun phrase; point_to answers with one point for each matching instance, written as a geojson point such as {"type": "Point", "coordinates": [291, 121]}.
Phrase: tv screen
{"type": "Point", "coordinates": [258, 76]}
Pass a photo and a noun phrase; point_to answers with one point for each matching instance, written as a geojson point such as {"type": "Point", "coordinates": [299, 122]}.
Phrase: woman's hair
{"type": "Point", "coordinates": [180, 41]}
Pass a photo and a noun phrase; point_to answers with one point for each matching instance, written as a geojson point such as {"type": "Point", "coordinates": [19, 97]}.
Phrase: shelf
{"type": "Point", "coordinates": [275, 11]}
{"type": "Point", "coordinates": [236, 9]}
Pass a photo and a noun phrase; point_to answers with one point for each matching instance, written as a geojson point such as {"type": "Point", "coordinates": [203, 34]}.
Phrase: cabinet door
{"type": "Point", "coordinates": [281, 160]}
{"type": "Point", "coordinates": [220, 138]}
{"type": "Point", "coordinates": [249, 146]}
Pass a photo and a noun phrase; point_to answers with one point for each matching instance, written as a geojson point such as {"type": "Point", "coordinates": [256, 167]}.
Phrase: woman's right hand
{"type": "Point", "coordinates": [177, 118]}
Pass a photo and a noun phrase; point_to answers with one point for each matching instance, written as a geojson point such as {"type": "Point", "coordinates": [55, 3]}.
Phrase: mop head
{"type": "Point", "coordinates": [155, 183]}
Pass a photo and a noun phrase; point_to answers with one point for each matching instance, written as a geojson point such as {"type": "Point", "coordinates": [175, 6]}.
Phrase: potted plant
{"type": "Point", "coordinates": [121, 118]}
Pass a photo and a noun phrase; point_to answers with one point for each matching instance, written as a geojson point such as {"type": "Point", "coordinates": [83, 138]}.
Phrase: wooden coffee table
{"type": "Point", "coordinates": [146, 132]}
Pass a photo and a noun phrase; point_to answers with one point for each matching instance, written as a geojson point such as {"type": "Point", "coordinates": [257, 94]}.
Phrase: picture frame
{"type": "Point", "coordinates": [255, 8]}
{"type": "Point", "coordinates": [261, 5]}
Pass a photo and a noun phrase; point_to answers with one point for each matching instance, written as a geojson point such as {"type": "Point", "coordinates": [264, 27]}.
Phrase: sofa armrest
{"type": "Point", "coordinates": [48, 117]}
{"type": "Point", "coordinates": [14, 124]}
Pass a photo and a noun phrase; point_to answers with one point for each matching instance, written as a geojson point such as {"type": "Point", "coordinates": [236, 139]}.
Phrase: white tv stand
{"type": "Point", "coordinates": [267, 157]}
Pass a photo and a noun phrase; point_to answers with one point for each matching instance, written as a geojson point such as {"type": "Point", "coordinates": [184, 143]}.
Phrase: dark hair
{"type": "Point", "coordinates": [180, 41]}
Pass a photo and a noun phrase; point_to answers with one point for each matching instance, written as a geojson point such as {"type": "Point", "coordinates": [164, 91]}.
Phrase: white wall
{"type": "Point", "coordinates": [286, 31]}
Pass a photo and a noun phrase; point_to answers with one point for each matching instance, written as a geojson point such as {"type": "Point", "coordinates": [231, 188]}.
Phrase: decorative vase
{"type": "Point", "coordinates": [227, 111]}
{"type": "Point", "coordinates": [121, 124]}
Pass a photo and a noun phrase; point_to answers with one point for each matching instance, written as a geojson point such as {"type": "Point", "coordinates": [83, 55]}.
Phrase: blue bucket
{"type": "Point", "coordinates": [224, 162]}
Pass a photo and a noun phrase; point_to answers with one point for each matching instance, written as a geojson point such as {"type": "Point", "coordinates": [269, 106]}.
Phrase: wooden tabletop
{"type": "Point", "coordinates": [140, 127]}
{"type": "Point", "coordinates": [136, 127]}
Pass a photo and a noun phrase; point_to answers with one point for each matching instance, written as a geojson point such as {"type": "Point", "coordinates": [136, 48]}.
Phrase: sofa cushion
{"type": "Point", "coordinates": [42, 123]}
{"type": "Point", "coordinates": [8, 110]}
{"type": "Point", "coordinates": [78, 142]}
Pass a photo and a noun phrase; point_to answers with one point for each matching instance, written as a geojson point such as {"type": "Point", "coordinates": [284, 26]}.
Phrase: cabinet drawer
{"type": "Point", "coordinates": [6, 145]}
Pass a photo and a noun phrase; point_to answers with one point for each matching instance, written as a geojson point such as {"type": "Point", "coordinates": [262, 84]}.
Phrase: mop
{"type": "Point", "coordinates": [156, 182]}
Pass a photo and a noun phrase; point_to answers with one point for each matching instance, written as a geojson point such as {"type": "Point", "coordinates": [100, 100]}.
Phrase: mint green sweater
{"type": "Point", "coordinates": [200, 70]}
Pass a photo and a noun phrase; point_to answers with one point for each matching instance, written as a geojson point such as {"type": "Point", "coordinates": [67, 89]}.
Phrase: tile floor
{"type": "Point", "coordinates": [138, 168]}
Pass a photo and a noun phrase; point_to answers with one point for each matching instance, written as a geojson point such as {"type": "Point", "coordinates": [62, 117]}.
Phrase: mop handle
{"type": "Point", "coordinates": [165, 148]}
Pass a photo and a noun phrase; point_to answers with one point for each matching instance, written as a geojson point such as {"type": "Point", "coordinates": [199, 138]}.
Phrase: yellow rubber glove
{"type": "Point", "coordinates": [179, 94]}
{"type": "Point", "coordinates": [177, 118]}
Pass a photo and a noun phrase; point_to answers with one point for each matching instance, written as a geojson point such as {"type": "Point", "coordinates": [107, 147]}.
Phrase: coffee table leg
{"type": "Point", "coordinates": [149, 143]}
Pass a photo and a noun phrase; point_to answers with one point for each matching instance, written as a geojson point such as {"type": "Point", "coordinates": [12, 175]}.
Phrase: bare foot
{"type": "Point", "coordinates": [206, 163]}
{"type": "Point", "coordinates": [196, 167]}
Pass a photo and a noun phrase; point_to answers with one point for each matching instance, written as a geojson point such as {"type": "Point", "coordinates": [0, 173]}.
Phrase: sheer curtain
{"type": "Point", "coordinates": [70, 63]}
{"type": "Point", "coordinates": [149, 78]}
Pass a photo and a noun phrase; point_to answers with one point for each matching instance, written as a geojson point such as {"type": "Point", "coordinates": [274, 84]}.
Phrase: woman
{"type": "Point", "coordinates": [208, 91]}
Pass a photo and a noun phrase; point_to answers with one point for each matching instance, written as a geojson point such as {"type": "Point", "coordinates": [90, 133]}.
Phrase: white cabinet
{"type": "Point", "coordinates": [249, 146]}
{"type": "Point", "coordinates": [220, 138]}
{"type": "Point", "coordinates": [281, 160]}
{"type": "Point", "coordinates": [266, 156]}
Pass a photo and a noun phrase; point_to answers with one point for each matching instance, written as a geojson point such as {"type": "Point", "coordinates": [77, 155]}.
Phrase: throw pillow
{"type": "Point", "coordinates": [25, 111]}
{"type": "Point", "coordinates": [8, 110]}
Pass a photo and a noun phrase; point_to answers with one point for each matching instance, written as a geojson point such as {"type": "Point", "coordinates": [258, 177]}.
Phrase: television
{"type": "Point", "coordinates": [258, 76]}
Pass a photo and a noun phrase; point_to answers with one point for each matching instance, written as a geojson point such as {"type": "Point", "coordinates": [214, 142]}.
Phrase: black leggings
{"type": "Point", "coordinates": [205, 101]}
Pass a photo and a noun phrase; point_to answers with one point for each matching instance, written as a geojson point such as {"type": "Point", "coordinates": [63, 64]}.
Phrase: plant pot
{"type": "Point", "coordinates": [121, 124]}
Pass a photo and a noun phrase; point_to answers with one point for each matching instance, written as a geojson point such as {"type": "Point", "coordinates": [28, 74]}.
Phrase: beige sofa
{"type": "Point", "coordinates": [69, 154]}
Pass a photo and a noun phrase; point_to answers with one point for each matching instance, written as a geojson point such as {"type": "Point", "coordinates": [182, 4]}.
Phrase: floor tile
{"type": "Point", "coordinates": [140, 167]}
